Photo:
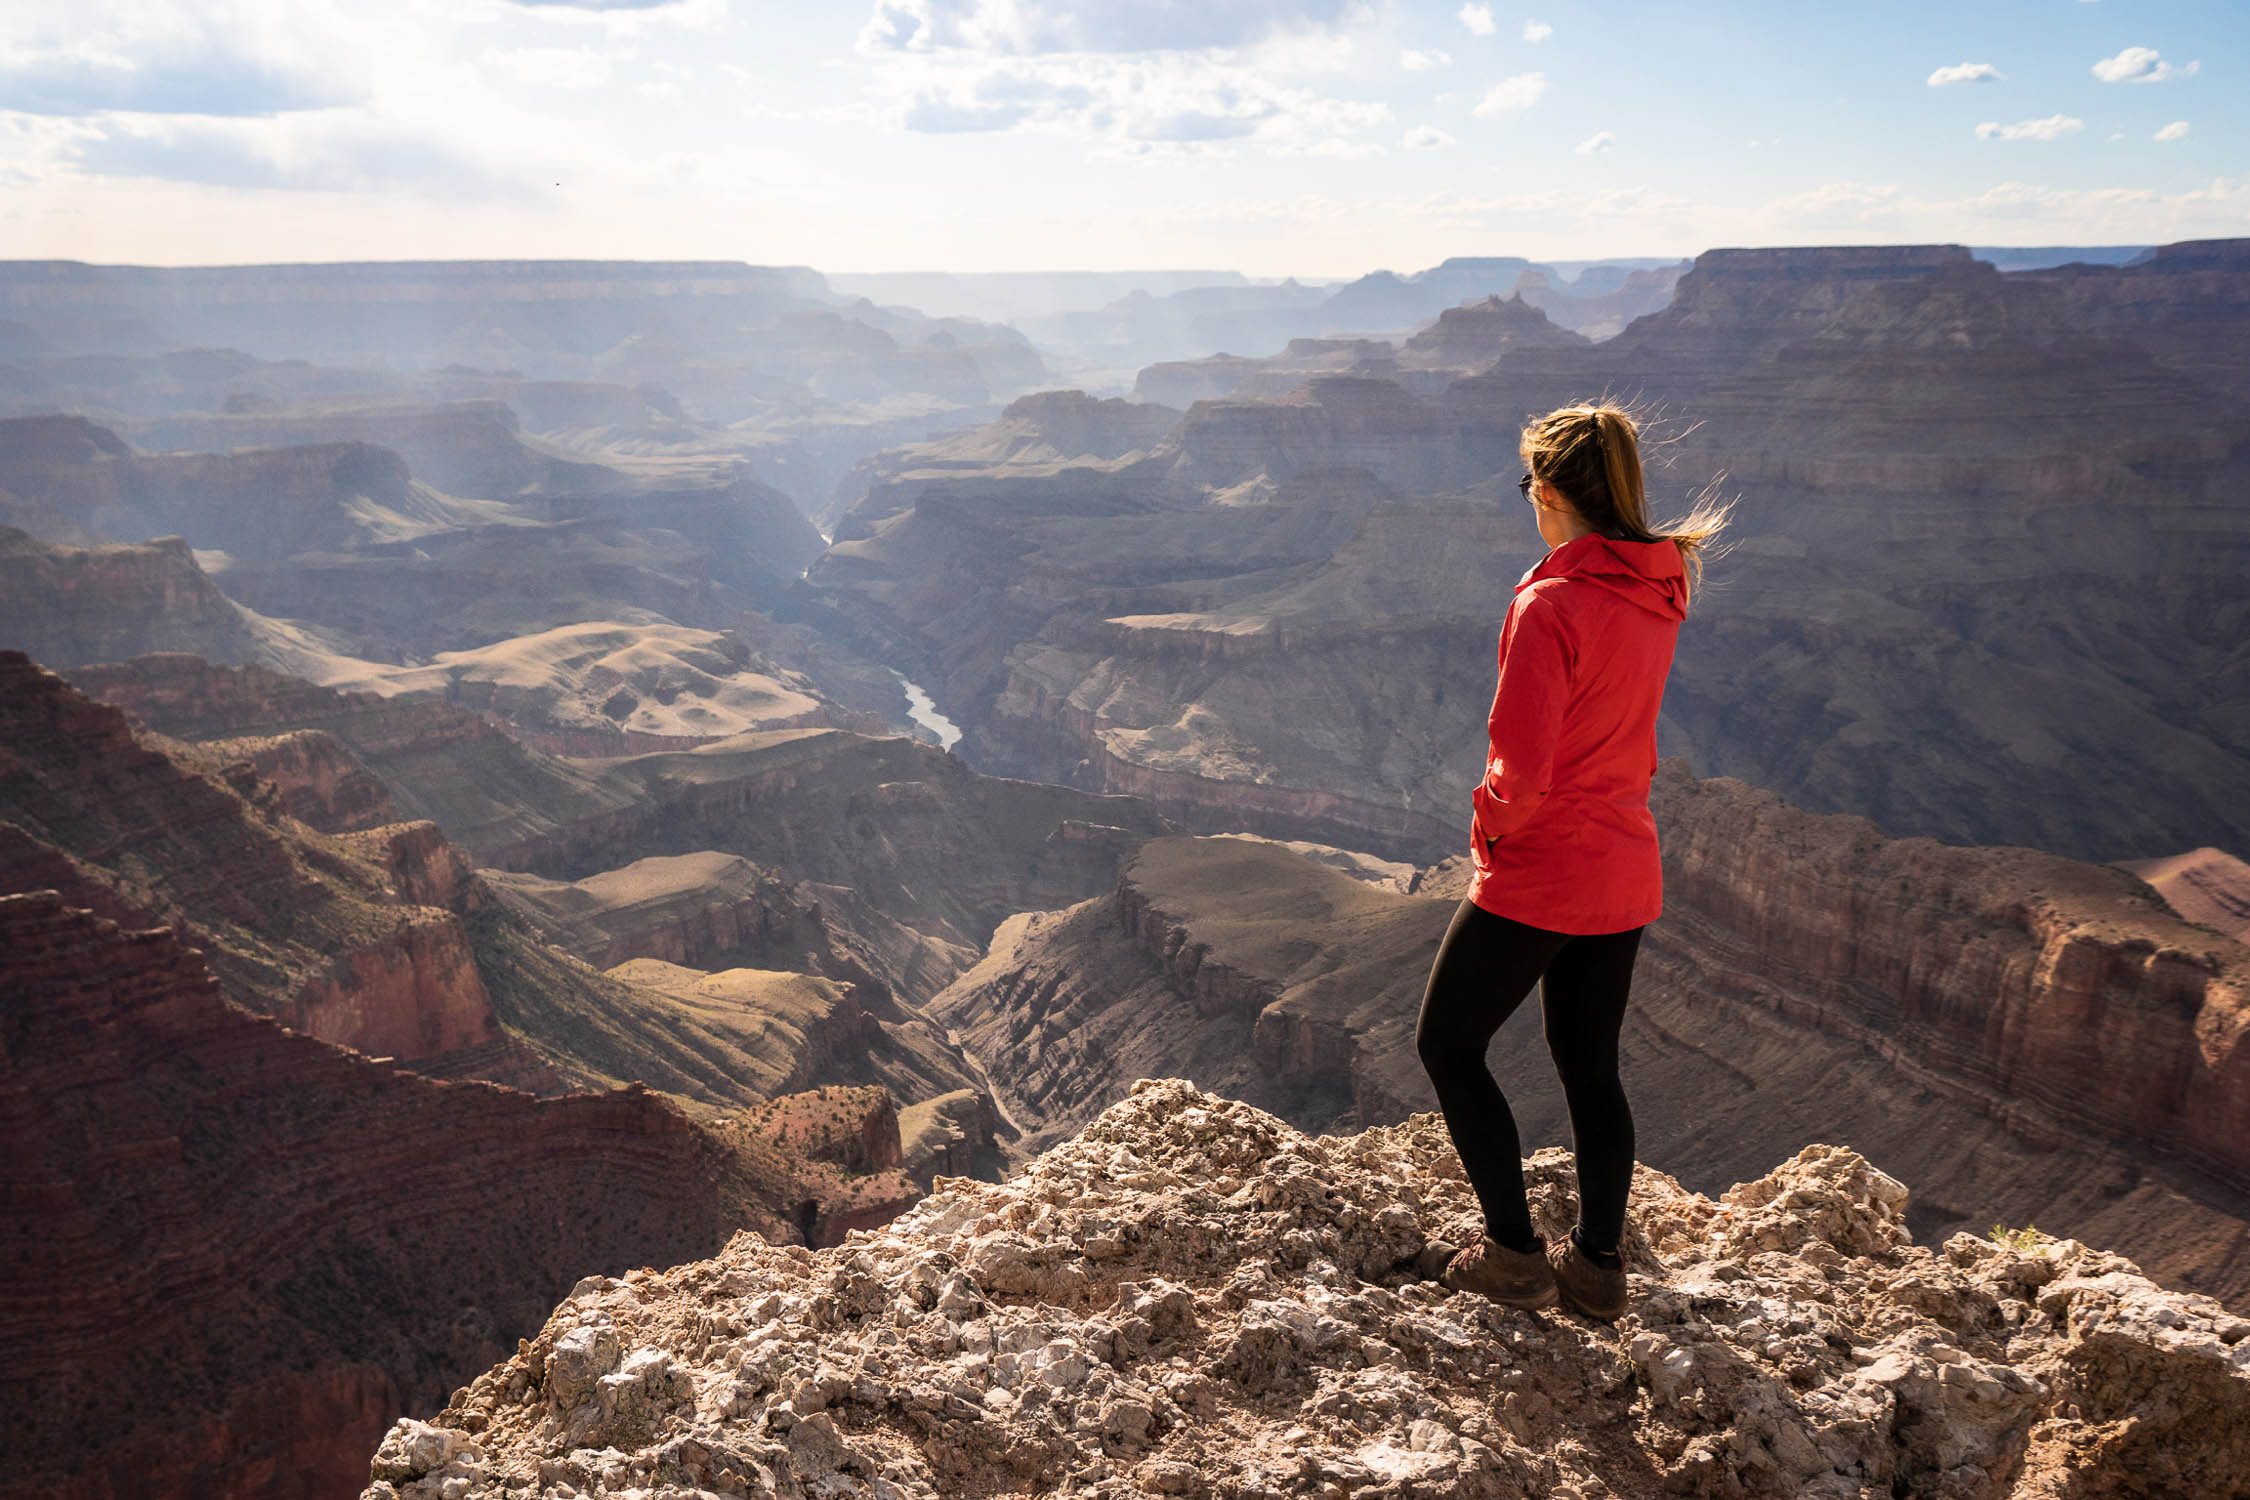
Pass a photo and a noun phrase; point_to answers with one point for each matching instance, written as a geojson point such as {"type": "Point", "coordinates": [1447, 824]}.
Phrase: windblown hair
{"type": "Point", "coordinates": [1591, 452]}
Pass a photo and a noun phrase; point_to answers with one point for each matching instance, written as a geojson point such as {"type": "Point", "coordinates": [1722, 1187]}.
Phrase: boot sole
{"type": "Point", "coordinates": [1545, 1296]}
{"type": "Point", "coordinates": [1605, 1314]}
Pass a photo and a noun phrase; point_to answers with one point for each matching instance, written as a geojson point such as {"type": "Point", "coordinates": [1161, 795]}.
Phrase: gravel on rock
{"type": "Point", "coordinates": [1190, 1298]}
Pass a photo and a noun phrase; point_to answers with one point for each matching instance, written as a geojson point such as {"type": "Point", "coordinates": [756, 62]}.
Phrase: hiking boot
{"type": "Point", "coordinates": [1518, 1278]}
{"type": "Point", "coordinates": [1594, 1290]}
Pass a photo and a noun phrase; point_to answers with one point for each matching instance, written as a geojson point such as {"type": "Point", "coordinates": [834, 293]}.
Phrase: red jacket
{"type": "Point", "coordinates": [1562, 834]}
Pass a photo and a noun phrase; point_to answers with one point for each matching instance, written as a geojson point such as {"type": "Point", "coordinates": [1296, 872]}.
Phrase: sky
{"type": "Point", "coordinates": [1315, 138]}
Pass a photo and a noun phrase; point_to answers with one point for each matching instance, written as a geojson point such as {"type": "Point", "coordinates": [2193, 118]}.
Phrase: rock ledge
{"type": "Point", "coordinates": [1191, 1298]}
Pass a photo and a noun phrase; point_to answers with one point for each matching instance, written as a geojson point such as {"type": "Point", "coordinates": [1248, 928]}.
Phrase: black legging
{"type": "Point", "coordinates": [1484, 969]}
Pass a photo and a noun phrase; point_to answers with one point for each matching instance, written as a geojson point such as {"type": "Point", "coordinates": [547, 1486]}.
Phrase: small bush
{"type": "Point", "coordinates": [2027, 1240]}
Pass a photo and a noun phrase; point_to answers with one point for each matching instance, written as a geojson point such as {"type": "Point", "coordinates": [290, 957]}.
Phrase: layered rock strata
{"type": "Point", "coordinates": [2209, 887]}
{"type": "Point", "coordinates": [2024, 1035]}
{"type": "Point", "coordinates": [2066, 989]}
{"type": "Point", "coordinates": [1191, 1298]}
{"type": "Point", "coordinates": [258, 504]}
{"type": "Point", "coordinates": [786, 1031]}
{"type": "Point", "coordinates": [345, 536]}
{"type": "Point", "coordinates": [69, 605]}
{"type": "Point", "coordinates": [892, 825]}
{"type": "Point", "coordinates": [440, 761]}
{"type": "Point", "coordinates": [215, 1291]}
{"type": "Point", "coordinates": [384, 940]}
{"type": "Point", "coordinates": [312, 930]}
{"type": "Point", "coordinates": [1959, 624]}
{"type": "Point", "coordinates": [602, 688]}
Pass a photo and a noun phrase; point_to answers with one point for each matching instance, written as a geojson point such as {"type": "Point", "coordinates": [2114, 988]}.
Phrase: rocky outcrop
{"type": "Point", "coordinates": [602, 688]}
{"type": "Point", "coordinates": [903, 828]}
{"type": "Point", "coordinates": [2209, 887]}
{"type": "Point", "coordinates": [737, 1037]}
{"type": "Point", "coordinates": [1905, 998]}
{"type": "Point", "coordinates": [440, 761]}
{"type": "Point", "coordinates": [954, 1135]}
{"type": "Point", "coordinates": [320, 783]}
{"type": "Point", "coordinates": [301, 927]}
{"type": "Point", "coordinates": [698, 910]}
{"type": "Point", "coordinates": [215, 1292]}
{"type": "Point", "coordinates": [1191, 1298]}
{"type": "Point", "coordinates": [72, 605]}
{"type": "Point", "coordinates": [1475, 335]}
{"type": "Point", "coordinates": [844, 1143]}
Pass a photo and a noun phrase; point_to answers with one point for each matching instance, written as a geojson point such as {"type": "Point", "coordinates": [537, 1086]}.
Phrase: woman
{"type": "Point", "coordinates": [1564, 851]}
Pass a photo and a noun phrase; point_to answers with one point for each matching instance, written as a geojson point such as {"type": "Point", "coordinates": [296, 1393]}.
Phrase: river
{"type": "Point", "coordinates": [922, 709]}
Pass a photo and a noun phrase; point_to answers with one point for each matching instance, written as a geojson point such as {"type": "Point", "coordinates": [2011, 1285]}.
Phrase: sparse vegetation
{"type": "Point", "coordinates": [2027, 1240]}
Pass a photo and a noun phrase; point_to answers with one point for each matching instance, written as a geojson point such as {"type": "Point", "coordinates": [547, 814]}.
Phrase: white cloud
{"type": "Point", "coordinates": [165, 71]}
{"type": "Point", "coordinates": [2001, 212]}
{"type": "Point", "coordinates": [1157, 99]}
{"type": "Point", "coordinates": [1520, 92]}
{"type": "Point", "coordinates": [2140, 65]}
{"type": "Point", "coordinates": [1537, 31]}
{"type": "Point", "coordinates": [1600, 140]}
{"type": "Point", "coordinates": [1135, 78]}
{"type": "Point", "coordinates": [1025, 28]}
{"type": "Point", "coordinates": [2176, 131]}
{"type": "Point", "coordinates": [1417, 62]}
{"type": "Point", "coordinates": [338, 151]}
{"type": "Point", "coordinates": [1967, 72]}
{"type": "Point", "coordinates": [1478, 18]}
{"type": "Point", "coordinates": [2053, 127]}
{"type": "Point", "coordinates": [552, 67]}
{"type": "Point", "coordinates": [1426, 137]}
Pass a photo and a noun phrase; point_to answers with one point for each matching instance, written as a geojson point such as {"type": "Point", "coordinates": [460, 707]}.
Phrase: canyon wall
{"type": "Point", "coordinates": [68, 605]}
{"type": "Point", "coordinates": [440, 761]}
{"type": "Point", "coordinates": [305, 928]}
{"type": "Point", "coordinates": [2020, 1030]}
{"type": "Point", "coordinates": [1983, 566]}
{"type": "Point", "coordinates": [214, 1293]}
{"type": "Point", "coordinates": [903, 827]}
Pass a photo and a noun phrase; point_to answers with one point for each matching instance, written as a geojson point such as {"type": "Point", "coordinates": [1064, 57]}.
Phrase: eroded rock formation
{"type": "Point", "coordinates": [441, 761]}
{"type": "Point", "coordinates": [2024, 1035]}
{"type": "Point", "coordinates": [2209, 887]}
{"type": "Point", "coordinates": [893, 825]}
{"type": "Point", "coordinates": [2051, 594]}
{"type": "Point", "coordinates": [309, 929]}
{"type": "Point", "coordinates": [1191, 1298]}
{"type": "Point", "coordinates": [69, 605]}
{"type": "Point", "coordinates": [238, 1253]}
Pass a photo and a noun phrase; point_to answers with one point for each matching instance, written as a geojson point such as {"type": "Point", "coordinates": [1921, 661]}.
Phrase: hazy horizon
{"type": "Point", "coordinates": [1314, 138]}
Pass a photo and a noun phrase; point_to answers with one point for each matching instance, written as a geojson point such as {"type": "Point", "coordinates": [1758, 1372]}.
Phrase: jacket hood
{"type": "Point", "coordinates": [1649, 574]}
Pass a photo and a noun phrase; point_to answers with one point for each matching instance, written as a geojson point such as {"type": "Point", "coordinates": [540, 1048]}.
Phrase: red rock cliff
{"type": "Point", "coordinates": [326, 935]}
{"type": "Point", "coordinates": [2063, 990]}
{"type": "Point", "coordinates": [235, 1253]}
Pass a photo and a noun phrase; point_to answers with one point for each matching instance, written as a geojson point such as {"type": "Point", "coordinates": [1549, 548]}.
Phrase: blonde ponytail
{"type": "Point", "coordinates": [1591, 453]}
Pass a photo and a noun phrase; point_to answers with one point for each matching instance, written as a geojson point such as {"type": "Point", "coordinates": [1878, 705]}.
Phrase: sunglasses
{"type": "Point", "coordinates": [1523, 486]}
